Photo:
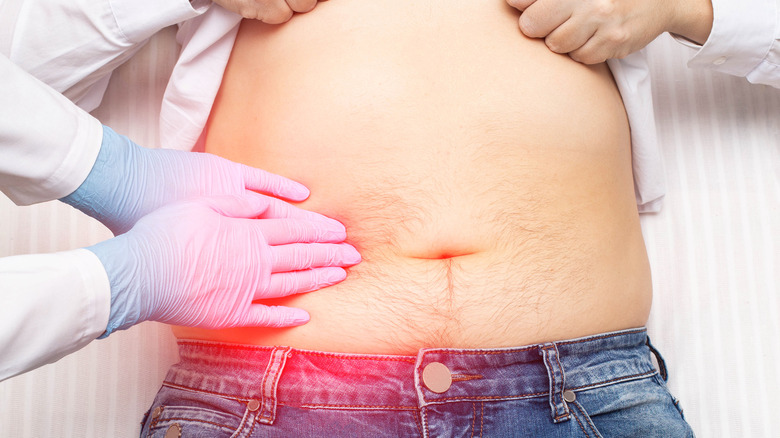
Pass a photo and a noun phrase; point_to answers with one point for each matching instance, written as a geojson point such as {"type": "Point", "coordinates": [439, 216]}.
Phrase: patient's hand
{"type": "Point", "coordinates": [592, 31]}
{"type": "Point", "coordinates": [268, 11]}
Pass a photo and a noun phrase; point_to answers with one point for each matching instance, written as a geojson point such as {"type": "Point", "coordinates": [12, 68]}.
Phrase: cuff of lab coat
{"type": "Point", "coordinates": [97, 299]}
{"type": "Point", "coordinates": [58, 143]}
{"type": "Point", "coordinates": [78, 162]}
{"type": "Point", "coordinates": [140, 19]}
{"type": "Point", "coordinates": [742, 35]}
{"type": "Point", "coordinates": [53, 305]}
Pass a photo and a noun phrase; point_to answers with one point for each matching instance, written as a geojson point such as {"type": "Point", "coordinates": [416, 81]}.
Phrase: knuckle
{"type": "Point", "coordinates": [604, 8]}
{"type": "Point", "coordinates": [619, 37]}
{"type": "Point", "coordinates": [247, 11]}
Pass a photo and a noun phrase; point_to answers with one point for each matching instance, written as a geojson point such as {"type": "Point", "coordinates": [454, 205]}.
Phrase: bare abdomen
{"type": "Point", "coordinates": [486, 181]}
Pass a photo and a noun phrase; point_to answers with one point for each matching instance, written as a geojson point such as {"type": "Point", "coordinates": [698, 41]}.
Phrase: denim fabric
{"type": "Point", "coordinates": [604, 385]}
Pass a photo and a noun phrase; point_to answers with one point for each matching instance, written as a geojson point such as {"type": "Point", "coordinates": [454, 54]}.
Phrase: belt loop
{"type": "Point", "coordinates": [271, 377]}
{"type": "Point", "coordinates": [560, 410]}
{"type": "Point", "coordinates": [661, 362]}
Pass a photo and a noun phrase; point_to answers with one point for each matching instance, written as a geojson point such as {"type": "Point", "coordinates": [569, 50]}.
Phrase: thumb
{"type": "Point", "coordinates": [249, 205]}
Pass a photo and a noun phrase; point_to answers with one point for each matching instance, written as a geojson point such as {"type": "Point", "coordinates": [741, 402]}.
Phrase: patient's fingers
{"type": "Point", "coordinates": [542, 17]}
{"type": "Point", "coordinates": [302, 5]}
{"type": "Point", "coordinates": [520, 5]}
{"type": "Point", "coordinates": [570, 35]}
{"type": "Point", "coordinates": [273, 11]}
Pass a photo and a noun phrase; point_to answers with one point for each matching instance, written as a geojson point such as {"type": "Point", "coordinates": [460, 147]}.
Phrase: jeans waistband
{"type": "Point", "coordinates": [266, 376]}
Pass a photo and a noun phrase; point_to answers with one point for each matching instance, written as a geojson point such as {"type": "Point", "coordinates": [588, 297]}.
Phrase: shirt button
{"type": "Point", "coordinates": [719, 61]}
{"type": "Point", "coordinates": [437, 377]}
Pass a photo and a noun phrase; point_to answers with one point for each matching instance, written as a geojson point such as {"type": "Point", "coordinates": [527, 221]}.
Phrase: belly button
{"type": "Point", "coordinates": [443, 255]}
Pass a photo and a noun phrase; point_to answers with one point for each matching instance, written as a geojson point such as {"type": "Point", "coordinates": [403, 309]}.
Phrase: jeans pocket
{"type": "Point", "coordinates": [190, 413]}
{"type": "Point", "coordinates": [638, 408]}
{"type": "Point", "coordinates": [660, 382]}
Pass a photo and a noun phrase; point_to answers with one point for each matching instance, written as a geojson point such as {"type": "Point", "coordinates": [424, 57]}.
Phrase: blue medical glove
{"type": "Point", "coordinates": [204, 262]}
{"type": "Point", "coordinates": [128, 181]}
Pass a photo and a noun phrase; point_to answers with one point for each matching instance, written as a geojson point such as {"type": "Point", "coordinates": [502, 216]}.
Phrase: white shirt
{"type": "Point", "coordinates": [74, 45]}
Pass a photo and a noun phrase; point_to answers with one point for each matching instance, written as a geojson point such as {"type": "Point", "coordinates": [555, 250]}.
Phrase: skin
{"type": "Point", "coordinates": [592, 31]}
{"type": "Point", "coordinates": [485, 181]}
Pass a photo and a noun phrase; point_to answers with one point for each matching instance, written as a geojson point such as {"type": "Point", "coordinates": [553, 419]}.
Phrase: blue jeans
{"type": "Point", "coordinates": [604, 385]}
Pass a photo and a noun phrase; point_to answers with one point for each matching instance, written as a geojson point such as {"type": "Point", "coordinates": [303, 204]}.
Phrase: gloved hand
{"type": "Point", "coordinates": [202, 262]}
{"type": "Point", "coordinates": [128, 181]}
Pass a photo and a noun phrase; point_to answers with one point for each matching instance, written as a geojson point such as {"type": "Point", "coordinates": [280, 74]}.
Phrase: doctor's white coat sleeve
{"type": "Point", "coordinates": [75, 45]}
{"type": "Point", "coordinates": [54, 304]}
{"type": "Point", "coordinates": [745, 41]}
{"type": "Point", "coordinates": [51, 304]}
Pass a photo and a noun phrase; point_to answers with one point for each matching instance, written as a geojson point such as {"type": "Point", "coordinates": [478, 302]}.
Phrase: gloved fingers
{"type": "Point", "coordinates": [250, 205]}
{"type": "Point", "coordinates": [278, 209]}
{"type": "Point", "coordinates": [291, 283]}
{"type": "Point", "coordinates": [300, 256]}
{"type": "Point", "coordinates": [285, 231]}
{"type": "Point", "coordinates": [272, 184]}
{"type": "Point", "coordinates": [259, 315]}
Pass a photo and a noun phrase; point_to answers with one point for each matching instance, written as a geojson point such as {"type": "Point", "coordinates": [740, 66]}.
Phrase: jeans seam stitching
{"type": "Point", "coordinates": [203, 391]}
{"type": "Point", "coordinates": [617, 379]}
{"type": "Point", "coordinates": [586, 417]}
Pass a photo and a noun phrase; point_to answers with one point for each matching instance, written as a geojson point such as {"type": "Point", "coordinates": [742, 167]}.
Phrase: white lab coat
{"type": "Point", "coordinates": [94, 37]}
{"type": "Point", "coordinates": [54, 304]}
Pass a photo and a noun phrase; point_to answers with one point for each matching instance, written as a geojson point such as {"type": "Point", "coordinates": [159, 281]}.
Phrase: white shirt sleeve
{"type": "Point", "coordinates": [47, 144]}
{"type": "Point", "coordinates": [743, 41]}
{"type": "Point", "coordinates": [74, 45]}
{"type": "Point", "coordinates": [50, 305]}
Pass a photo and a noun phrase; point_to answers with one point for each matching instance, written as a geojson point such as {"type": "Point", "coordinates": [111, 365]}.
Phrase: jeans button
{"type": "Point", "coordinates": [174, 431]}
{"type": "Point", "coordinates": [569, 396]}
{"type": "Point", "coordinates": [253, 405]}
{"type": "Point", "coordinates": [437, 377]}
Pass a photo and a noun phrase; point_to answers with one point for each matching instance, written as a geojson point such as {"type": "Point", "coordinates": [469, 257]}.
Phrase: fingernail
{"type": "Point", "coordinates": [299, 191]}
{"type": "Point", "coordinates": [336, 224]}
{"type": "Point", "coordinates": [336, 275]}
{"type": "Point", "coordinates": [336, 229]}
{"type": "Point", "coordinates": [298, 317]}
{"type": "Point", "coordinates": [351, 255]}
